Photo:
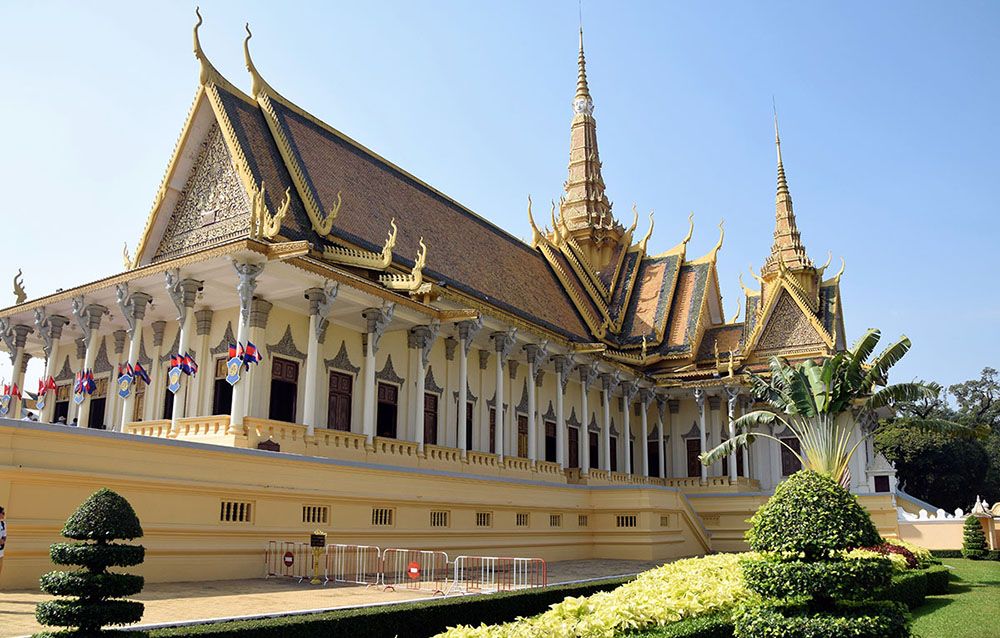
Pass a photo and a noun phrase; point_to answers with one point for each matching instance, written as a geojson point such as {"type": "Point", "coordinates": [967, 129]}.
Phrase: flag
{"type": "Point", "coordinates": [50, 384]}
{"type": "Point", "coordinates": [140, 373]}
{"type": "Point", "coordinates": [130, 369]}
{"type": "Point", "coordinates": [232, 350]}
{"type": "Point", "coordinates": [120, 371]}
{"type": "Point", "coordinates": [91, 385]}
{"type": "Point", "coordinates": [15, 391]}
{"type": "Point", "coordinates": [174, 361]}
{"type": "Point", "coordinates": [191, 364]}
{"type": "Point", "coordinates": [182, 364]}
{"type": "Point", "coordinates": [41, 388]}
{"type": "Point", "coordinates": [252, 354]}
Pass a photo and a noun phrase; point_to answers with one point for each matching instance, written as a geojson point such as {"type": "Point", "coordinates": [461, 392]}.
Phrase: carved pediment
{"type": "Point", "coordinates": [788, 327]}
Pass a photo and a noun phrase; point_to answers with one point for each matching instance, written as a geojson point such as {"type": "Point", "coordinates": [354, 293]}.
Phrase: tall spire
{"type": "Point", "coordinates": [787, 249]}
{"type": "Point", "coordinates": [585, 209]}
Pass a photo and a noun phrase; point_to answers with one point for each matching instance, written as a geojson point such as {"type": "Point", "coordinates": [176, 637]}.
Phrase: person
{"type": "Point", "coordinates": [3, 534]}
{"type": "Point", "coordinates": [61, 420]}
{"type": "Point", "coordinates": [73, 424]}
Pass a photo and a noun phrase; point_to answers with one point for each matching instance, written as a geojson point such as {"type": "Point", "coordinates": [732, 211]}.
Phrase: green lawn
{"type": "Point", "coordinates": [970, 610]}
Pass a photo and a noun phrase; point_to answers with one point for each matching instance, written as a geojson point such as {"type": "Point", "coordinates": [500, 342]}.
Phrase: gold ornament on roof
{"type": "Point", "coordinates": [264, 225]}
{"type": "Point", "coordinates": [413, 281]}
{"type": "Point", "coordinates": [126, 258]}
{"type": "Point", "coordinates": [649, 233]}
{"type": "Point", "coordinates": [739, 305]}
{"type": "Point", "coordinates": [365, 258]}
{"type": "Point", "coordinates": [20, 295]}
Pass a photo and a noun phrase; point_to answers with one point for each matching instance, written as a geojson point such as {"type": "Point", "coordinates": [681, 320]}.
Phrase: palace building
{"type": "Point", "coordinates": [413, 357]}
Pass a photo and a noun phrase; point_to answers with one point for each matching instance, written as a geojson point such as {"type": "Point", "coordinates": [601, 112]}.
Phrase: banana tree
{"type": "Point", "coordinates": [813, 400]}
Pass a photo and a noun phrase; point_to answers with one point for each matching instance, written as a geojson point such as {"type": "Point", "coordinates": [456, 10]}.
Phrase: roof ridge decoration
{"type": "Point", "coordinates": [412, 282]}
{"type": "Point", "coordinates": [322, 222]}
{"type": "Point", "coordinates": [711, 256]}
{"type": "Point", "coordinates": [263, 224]}
{"type": "Point", "coordinates": [681, 248]}
{"type": "Point", "coordinates": [787, 248]}
{"type": "Point", "coordinates": [365, 258]}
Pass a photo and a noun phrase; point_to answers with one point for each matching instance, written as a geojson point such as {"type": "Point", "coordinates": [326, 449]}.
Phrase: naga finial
{"type": "Point", "coordinates": [822, 269]}
{"type": "Point", "coordinates": [756, 276]}
{"type": "Point", "coordinates": [739, 306]}
{"type": "Point", "coordinates": [690, 233]}
{"type": "Point", "coordinates": [536, 235]}
{"type": "Point", "coordinates": [126, 258]}
{"type": "Point", "coordinates": [843, 265]}
{"type": "Point", "coordinates": [20, 295]}
{"type": "Point", "coordinates": [722, 236]}
{"type": "Point", "coordinates": [199, 53]}
{"type": "Point", "coordinates": [635, 220]}
{"type": "Point", "coordinates": [649, 233]}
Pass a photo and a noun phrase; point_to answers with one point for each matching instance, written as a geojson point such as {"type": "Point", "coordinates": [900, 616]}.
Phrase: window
{"type": "Point", "coordinates": [614, 454]}
{"type": "Point", "coordinates": [594, 448]}
{"type": "Point", "coordinates": [881, 484]}
{"type": "Point", "coordinates": [484, 519]}
{"type": "Point", "coordinates": [430, 418]}
{"type": "Point", "coordinates": [790, 463]}
{"type": "Point", "coordinates": [222, 395]}
{"type": "Point", "coordinates": [582, 520]}
{"type": "Point", "coordinates": [522, 436]}
{"type": "Point", "coordinates": [236, 512]}
{"type": "Point", "coordinates": [626, 520]}
{"type": "Point", "coordinates": [693, 451]}
{"type": "Point", "coordinates": [388, 400]}
{"type": "Point", "coordinates": [573, 440]}
{"type": "Point", "coordinates": [468, 424]}
{"type": "Point", "coordinates": [653, 454]}
{"type": "Point", "coordinates": [168, 404]}
{"type": "Point", "coordinates": [665, 520]}
{"type": "Point", "coordinates": [139, 389]}
{"type": "Point", "coordinates": [315, 514]}
{"type": "Point", "coordinates": [555, 520]}
{"type": "Point", "coordinates": [62, 403]}
{"type": "Point", "coordinates": [521, 519]}
{"type": "Point", "coordinates": [550, 441]}
{"type": "Point", "coordinates": [284, 390]}
{"type": "Point", "coordinates": [439, 519]}
{"type": "Point", "coordinates": [338, 415]}
{"type": "Point", "coordinates": [381, 516]}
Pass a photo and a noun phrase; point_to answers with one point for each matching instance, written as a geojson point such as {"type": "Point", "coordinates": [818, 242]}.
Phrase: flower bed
{"type": "Point", "coordinates": [664, 595]}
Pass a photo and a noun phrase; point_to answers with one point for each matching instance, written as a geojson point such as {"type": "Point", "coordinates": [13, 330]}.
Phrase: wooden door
{"type": "Point", "coordinates": [339, 401]}
{"type": "Point", "coordinates": [693, 450]}
{"type": "Point", "coordinates": [388, 397]}
{"type": "Point", "coordinates": [522, 436]}
{"type": "Point", "coordinates": [430, 418]}
{"type": "Point", "coordinates": [574, 447]}
{"type": "Point", "coordinates": [550, 441]}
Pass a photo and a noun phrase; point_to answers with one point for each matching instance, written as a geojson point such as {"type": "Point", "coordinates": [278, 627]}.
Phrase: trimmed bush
{"type": "Point", "coordinates": [712, 626]}
{"type": "Point", "coordinates": [409, 620]}
{"type": "Point", "coordinates": [890, 549]}
{"type": "Point", "coordinates": [937, 580]}
{"type": "Point", "coordinates": [946, 553]}
{"type": "Point", "coordinates": [848, 579]}
{"type": "Point", "coordinates": [993, 554]}
{"type": "Point", "coordinates": [103, 517]}
{"type": "Point", "coordinates": [909, 588]}
{"type": "Point", "coordinates": [810, 514]}
{"type": "Point", "coordinates": [973, 539]}
{"type": "Point", "coordinates": [858, 620]}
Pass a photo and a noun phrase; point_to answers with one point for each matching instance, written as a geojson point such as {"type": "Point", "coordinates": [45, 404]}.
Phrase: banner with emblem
{"type": "Point", "coordinates": [5, 403]}
{"type": "Point", "coordinates": [124, 385]}
{"type": "Point", "coordinates": [174, 379]}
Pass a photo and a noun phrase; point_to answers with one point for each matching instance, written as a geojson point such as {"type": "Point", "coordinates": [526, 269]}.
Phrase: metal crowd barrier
{"type": "Point", "coordinates": [488, 574]}
{"type": "Point", "coordinates": [355, 564]}
{"type": "Point", "coordinates": [415, 570]}
{"type": "Point", "coordinates": [288, 559]}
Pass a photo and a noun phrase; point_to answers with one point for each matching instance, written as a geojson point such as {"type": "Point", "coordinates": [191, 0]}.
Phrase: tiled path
{"type": "Point", "coordinates": [168, 602]}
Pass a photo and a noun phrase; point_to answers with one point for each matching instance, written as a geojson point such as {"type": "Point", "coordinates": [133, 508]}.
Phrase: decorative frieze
{"type": "Point", "coordinates": [388, 373]}
{"type": "Point", "coordinates": [286, 346]}
{"type": "Point", "coordinates": [342, 361]}
{"type": "Point", "coordinates": [227, 338]}
{"type": "Point", "coordinates": [430, 385]}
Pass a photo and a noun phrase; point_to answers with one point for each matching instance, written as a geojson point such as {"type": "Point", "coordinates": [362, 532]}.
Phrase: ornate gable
{"type": "Point", "coordinates": [789, 328]}
{"type": "Point", "coordinates": [213, 206]}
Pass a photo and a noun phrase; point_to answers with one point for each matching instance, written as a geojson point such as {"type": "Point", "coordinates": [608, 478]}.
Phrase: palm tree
{"type": "Point", "coordinates": [814, 401]}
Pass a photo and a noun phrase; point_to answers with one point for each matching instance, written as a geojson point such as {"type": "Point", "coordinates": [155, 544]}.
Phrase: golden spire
{"type": "Point", "coordinates": [582, 90]}
{"type": "Point", "coordinates": [787, 249]}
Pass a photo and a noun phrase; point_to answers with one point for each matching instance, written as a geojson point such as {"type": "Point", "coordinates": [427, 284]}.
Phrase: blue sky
{"type": "Point", "coordinates": [888, 118]}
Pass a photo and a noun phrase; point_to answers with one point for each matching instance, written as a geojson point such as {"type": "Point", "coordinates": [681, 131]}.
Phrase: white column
{"type": "Point", "coordinates": [16, 337]}
{"type": "Point", "coordinates": [588, 374]}
{"type": "Point", "coordinates": [377, 320]}
{"type": "Point", "coordinates": [562, 366]}
{"type": "Point", "coordinates": [151, 403]}
{"type": "Point", "coordinates": [182, 292]}
{"type": "Point", "coordinates": [503, 342]}
{"type": "Point", "coordinates": [661, 406]}
{"type": "Point", "coordinates": [483, 443]}
{"type": "Point", "coordinates": [732, 395]}
{"type": "Point", "coordinates": [628, 393]}
{"type": "Point", "coordinates": [114, 402]}
{"type": "Point", "coordinates": [699, 399]}
{"type": "Point", "coordinates": [134, 310]}
{"type": "Point", "coordinates": [645, 400]}
{"type": "Point", "coordinates": [88, 317]}
{"type": "Point", "coordinates": [467, 331]}
{"type": "Point", "coordinates": [608, 382]}
{"type": "Point", "coordinates": [421, 338]}
{"type": "Point", "coordinates": [199, 383]}
{"type": "Point", "coordinates": [320, 302]}
{"type": "Point", "coordinates": [247, 272]}
{"type": "Point", "coordinates": [50, 329]}
{"type": "Point", "coordinates": [536, 355]}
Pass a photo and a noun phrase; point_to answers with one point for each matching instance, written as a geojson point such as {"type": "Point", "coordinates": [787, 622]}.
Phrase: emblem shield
{"type": "Point", "coordinates": [124, 385]}
{"type": "Point", "coordinates": [174, 379]}
{"type": "Point", "coordinates": [233, 370]}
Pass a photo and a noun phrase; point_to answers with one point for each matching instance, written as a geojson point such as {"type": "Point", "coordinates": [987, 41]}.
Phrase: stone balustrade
{"type": "Point", "coordinates": [335, 444]}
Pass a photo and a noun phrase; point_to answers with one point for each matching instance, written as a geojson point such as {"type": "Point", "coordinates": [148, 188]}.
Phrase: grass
{"type": "Point", "coordinates": [971, 609]}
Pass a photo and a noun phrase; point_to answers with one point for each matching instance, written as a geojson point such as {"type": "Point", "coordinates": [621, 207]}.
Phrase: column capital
{"type": "Point", "coordinates": [260, 311]}
{"type": "Point", "coordinates": [467, 331]}
{"type": "Point", "coordinates": [50, 328]}
{"type": "Point", "coordinates": [588, 375]}
{"type": "Point", "coordinates": [564, 366]}
{"type": "Point", "coordinates": [320, 303]}
{"type": "Point", "coordinates": [132, 305]}
{"type": "Point", "coordinates": [699, 398]}
{"type": "Point", "coordinates": [674, 405]}
{"type": "Point", "coordinates": [158, 329]}
{"type": "Point", "coordinates": [422, 338]}
{"type": "Point", "coordinates": [610, 381]}
{"type": "Point", "coordinates": [119, 336]}
{"type": "Point", "coordinates": [247, 272]}
{"type": "Point", "coordinates": [503, 341]}
{"type": "Point", "coordinates": [629, 389]}
{"type": "Point", "coordinates": [536, 353]}
{"type": "Point", "coordinates": [14, 336]}
{"type": "Point", "coordinates": [646, 396]}
{"type": "Point", "coordinates": [88, 316]}
{"type": "Point", "coordinates": [512, 368]}
{"type": "Point", "coordinates": [377, 320]}
{"type": "Point", "coordinates": [203, 321]}
{"type": "Point", "coordinates": [450, 346]}
{"type": "Point", "coordinates": [714, 402]}
{"type": "Point", "coordinates": [484, 359]}
{"type": "Point", "coordinates": [182, 291]}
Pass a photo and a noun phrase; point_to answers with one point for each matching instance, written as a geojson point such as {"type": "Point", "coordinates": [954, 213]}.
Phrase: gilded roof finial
{"type": "Point", "coordinates": [199, 54]}
{"type": "Point", "coordinates": [20, 295]}
{"type": "Point", "coordinates": [690, 234]}
{"type": "Point", "coordinates": [787, 250]}
{"type": "Point", "coordinates": [822, 269]}
{"type": "Point", "coordinates": [843, 265]}
{"type": "Point", "coordinates": [739, 305]}
{"type": "Point", "coordinates": [536, 235]}
{"type": "Point", "coordinates": [722, 236]}
{"type": "Point", "coordinates": [756, 276]}
{"type": "Point", "coordinates": [782, 182]}
{"type": "Point", "coordinates": [582, 90]}
{"type": "Point", "coordinates": [746, 291]}
{"type": "Point", "coordinates": [257, 83]}
{"type": "Point", "coordinates": [649, 233]}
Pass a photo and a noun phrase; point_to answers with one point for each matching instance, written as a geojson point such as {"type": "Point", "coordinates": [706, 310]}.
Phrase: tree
{"type": "Point", "coordinates": [979, 400]}
{"type": "Point", "coordinates": [101, 519]}
{"type": "Point", "coordinates": [973, 539]}
{"type": "Point", "coordinates": [815, 401]}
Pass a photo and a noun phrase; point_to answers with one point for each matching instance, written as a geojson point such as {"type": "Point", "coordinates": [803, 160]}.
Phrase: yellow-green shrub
{"type": "Point", "coordinates": [669, 593]}
{"type": "Point", "coordinates": [923, 555]}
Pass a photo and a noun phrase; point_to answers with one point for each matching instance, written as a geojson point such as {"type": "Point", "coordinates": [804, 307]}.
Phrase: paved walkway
{"type": "Point", "coordinates": [172, 602]}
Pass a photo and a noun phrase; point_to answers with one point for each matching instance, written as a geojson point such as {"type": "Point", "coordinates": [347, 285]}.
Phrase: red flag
{"type": "Point", "coordinates": [41, 388]}
{"type": "Point", "coordinates": [50, 384]}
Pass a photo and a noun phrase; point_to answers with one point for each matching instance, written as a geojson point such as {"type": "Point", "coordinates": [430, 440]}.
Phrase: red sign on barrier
{"type": "Point", "coordinates": [413, 570]}
{"type": "Point", "coordinates": [289, 559]}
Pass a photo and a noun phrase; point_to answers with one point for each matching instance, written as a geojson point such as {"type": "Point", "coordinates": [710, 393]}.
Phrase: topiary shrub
{"type": "Point", "coordinates": [813, 580]}
{"type": "Point", "coordinates": [810, 513]}
{"type": "Point", "coordinates": [973, 539]}
{"type": "Point", "coordinates": [102, 518]}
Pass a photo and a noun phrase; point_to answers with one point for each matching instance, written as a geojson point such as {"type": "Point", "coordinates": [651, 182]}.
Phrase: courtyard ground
{"type": "Point", "coordinates": [970, 610]}
{"type": "Point", "coordinates": [173, 602]}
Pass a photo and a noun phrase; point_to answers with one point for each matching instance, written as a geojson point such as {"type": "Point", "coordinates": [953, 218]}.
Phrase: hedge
{"type": "Point", "coordinates": [957, 553]}
{"type": "Point", "coordinates": [712, 626]}
{"type": "Point", "coordinates": [937, 580]}
{"type": "Point", "coordinates": [909, 588]}
{"type": "Point", "coordinates": [409, 620]}
{"type": "Point", "coordinates": [880, 619]}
